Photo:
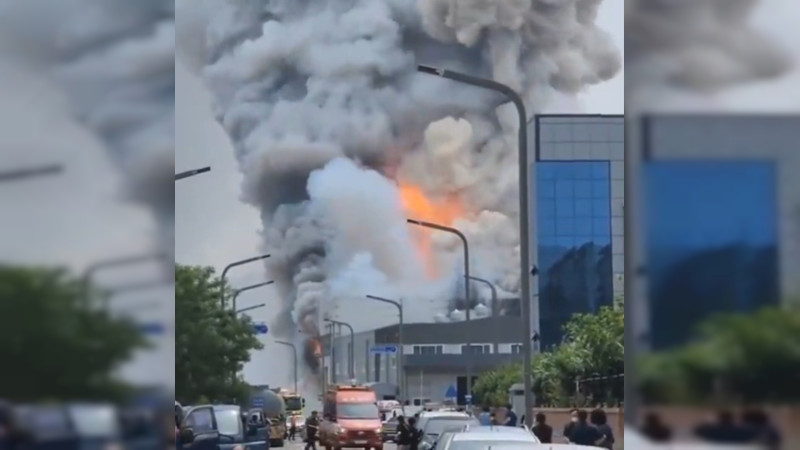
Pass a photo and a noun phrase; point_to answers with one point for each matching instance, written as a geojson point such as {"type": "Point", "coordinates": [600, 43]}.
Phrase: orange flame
{"type": "Point", "coordinates": [443, 211]}
{"type": "Point", "coordinates": [316, 347]}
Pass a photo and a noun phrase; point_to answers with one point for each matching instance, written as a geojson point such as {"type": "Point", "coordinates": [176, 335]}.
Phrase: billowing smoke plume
{"type": "Point", "coordinates": [326, 111]}
{"type": "Point", "coordinates": [694, 46]}
{"type": "Point", "coordinates": [115, 61]}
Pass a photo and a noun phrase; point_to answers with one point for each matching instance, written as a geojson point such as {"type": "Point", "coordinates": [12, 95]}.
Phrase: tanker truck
{"type": "Point", "coordinates": [272, 406]}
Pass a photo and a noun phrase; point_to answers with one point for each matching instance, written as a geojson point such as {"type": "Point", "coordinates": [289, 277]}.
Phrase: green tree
{"type": "Point", "coordinates": [593, 347]}
{"type": "Point", "coordinates": [54, 343]}
{"type": "Point", "coordinates": [211, 343]}
{"type": "Point", "coordinates": [735, 358]}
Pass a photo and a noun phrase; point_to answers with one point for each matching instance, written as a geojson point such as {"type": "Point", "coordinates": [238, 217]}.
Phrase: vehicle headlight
{"type": "Point", "coordinates": [378, 430]}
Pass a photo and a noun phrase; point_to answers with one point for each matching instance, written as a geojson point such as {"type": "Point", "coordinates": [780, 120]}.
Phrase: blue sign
{"type": "Point", "coordinates": [387, 349]}
{"type": "Point", "coordinates": [257, 402]}
{"type": "Point", "coordinates": [451, 392]}
{"type": "Point", "coordinates": [152, 328]}
{"type": "Point", "coordinates": [260, 328]}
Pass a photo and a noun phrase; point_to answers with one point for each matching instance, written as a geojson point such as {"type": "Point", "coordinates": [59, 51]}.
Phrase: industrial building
{"type": "Point", "coordinates": [435, 356]}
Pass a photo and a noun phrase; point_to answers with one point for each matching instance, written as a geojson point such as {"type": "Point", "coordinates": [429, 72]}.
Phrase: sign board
{"type": "Point", "coordinates": [451, 392]}
{"type": "Point", "coordinates": [389, 349]}
{"type": "Point", "coordinates": [257, 402]}
{"type": "Point", "coordinates": [468, 399]}
{"type": "Point", "coordinates": [151, 328]}
{"type": "Point", "coordinates": [260, 328]}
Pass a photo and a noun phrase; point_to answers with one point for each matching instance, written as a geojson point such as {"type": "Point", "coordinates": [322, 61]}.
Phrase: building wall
{"type": "Point", "coordinates": [578, 187]}
{"type": "Point", "coordinates": [728, 186]}
{"type": "Point", "coordinates": [431, 385]}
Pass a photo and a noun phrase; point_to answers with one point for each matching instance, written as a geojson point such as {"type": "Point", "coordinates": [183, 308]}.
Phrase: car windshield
{"type": "Point", "coordinates": [293, 403]}
{"type": "Point", "coordinates": [489, 445]}
{"type": "Point", "coordinates": [438, 425]}
{"type": "Point", "coordinates": [95, 421]}
{"type": "Point", "coordinates": [357, 411]}
{"type": "Point", "coordinates": [229, 422]}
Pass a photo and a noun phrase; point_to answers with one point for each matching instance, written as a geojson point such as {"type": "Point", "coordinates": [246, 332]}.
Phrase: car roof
{"type": "Point", "coordinates": [432, 414]}
{"type": "Point", "coordinates": [494, 436]}
{"type": "Point", "coordinates": [227, 407]}
{"type": "Point", "coordinates": [498, 429]}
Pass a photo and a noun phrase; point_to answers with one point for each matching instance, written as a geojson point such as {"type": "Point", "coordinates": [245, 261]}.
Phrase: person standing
{"type": "Point", "coordinates": [600, 421]}
{"type": "Point", "coordinates": [292, 427]}
{"type": "Point", "coordinates": [414, 434]}
{"type": "Point", "coordinates": [485, 417]}
{"type": "Point", "coordinates": [511, 417]}
{"type": "Point", "coordinates": [312, 429]}
{"type": "Point", "coordinates": [542, 430]}
{"type": "Point", "coordinates": [403, 433]}
{"type": "Point", "coordinates": [583, 433]}
{"type": "Point", "coordinates": [573, 419]}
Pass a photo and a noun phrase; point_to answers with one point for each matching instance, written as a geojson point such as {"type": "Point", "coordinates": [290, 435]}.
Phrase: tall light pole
{"type": "Point", "coordinates": [495, 312]}
{"type": "Point", "coordinates": [294, 353]}
{"type": "Point", "coordinates": [232, 265]}
{"type": "Point", "coordinates": [400, 375]}
{"type": "Point", "coordinates": [350, 365]}
{"type": "Point", "coordinates": [250, 308]}
{"type": "Point", "coordinates": [245, 289]}
{"type": "Point", "coordinates": [31, 172]}
{"type": "Point", "coordinates": [92, 269]}
{"type": "Point", "coordinates": [467, 279]}
{"type": "Point", "coordinates": [133, 287]}
{"type": "Point", "coordinates": [191, 173]}
{"type": "Point", "coordinates": [525, 219]}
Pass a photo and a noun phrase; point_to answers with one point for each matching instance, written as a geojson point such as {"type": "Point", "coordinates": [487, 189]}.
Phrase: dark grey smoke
{"type": "Point", "coordinates": [696, 45]}
{"type": "Point", "coordinates": [298, 84]}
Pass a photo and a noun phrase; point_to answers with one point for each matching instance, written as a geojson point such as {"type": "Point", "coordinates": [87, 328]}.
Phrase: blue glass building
{"type": "Point", "coordinates": [579, 205]}
{"type": "Point", "coordinates": [711, 210]}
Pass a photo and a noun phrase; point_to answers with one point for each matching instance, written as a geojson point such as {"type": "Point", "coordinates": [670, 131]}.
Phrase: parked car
{"type": "Point", "coordinates": [432, 424]}
{"type": "Point", "coordinates": [218, 427]}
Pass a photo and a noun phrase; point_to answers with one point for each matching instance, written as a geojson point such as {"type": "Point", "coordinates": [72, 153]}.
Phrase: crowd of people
{"type": "Point", "coordinates": [752, 427]}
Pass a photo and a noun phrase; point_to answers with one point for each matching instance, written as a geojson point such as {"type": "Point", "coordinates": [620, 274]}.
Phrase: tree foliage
{"type": "Point", "coordinates": [735, 358]}
{"type": "Point", "coordinates": [211, 343]}
{"type": "Point", "coordinates": [583, 368]}
{"type": "Point", "coordinates": [55, 344]}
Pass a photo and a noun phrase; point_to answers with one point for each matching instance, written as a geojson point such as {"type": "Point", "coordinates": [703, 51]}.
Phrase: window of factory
{"type": "Point", "coordinates": [574, 242]}
{"type": "Point", "coordinates": [479, 349]}
{"type": "Point", "coordinates": [516, 349]}
{"type": "Point", "coordinates": [711, 242]}
{"type": "Point", "coordinates": [428, 349]}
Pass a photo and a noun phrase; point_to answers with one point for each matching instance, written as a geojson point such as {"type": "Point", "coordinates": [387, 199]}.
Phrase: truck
{"type": "Point", "coordinates": [274, 410]}
{"type": "Point", "coordinates": [295, 404]}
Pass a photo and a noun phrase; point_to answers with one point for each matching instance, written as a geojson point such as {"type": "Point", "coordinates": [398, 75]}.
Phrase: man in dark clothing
{"type": "Point", "coordinates": [763, 431]}
{"type": "Point", "coordinates": [414, 434]}
{"type": "Point", "coordinates": [724, 431]}
{"type": "Point", "coordinates": [511, 417]}
{"type": "Point", "coordinates": [542, 431]}
{"type": "Point", "coordinates": [655, 429]}
{"type": "Point", "coordinates": [312, 429]}
{"type": "Point", "coordinates": [573, 419]}
{"type": "Point", "coordinates": [583, 433]}
{"type": "Point", "coordinates": [403, 433]}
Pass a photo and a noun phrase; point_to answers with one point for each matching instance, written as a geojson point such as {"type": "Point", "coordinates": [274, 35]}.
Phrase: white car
{"type": "Point", "coordinates": [433, 423]}
{"type": "Point", "coordinates": [498, 439]}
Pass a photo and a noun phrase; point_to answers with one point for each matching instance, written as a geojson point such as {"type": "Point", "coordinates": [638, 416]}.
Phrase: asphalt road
{"type": "Point", "coordinates": [299, 445]}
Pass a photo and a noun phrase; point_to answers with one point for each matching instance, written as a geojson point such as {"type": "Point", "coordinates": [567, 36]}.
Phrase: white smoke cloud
{"type": "Point", "coordinates": [315, 94]}
{"type": "Point", "coordinates": [115, 61]}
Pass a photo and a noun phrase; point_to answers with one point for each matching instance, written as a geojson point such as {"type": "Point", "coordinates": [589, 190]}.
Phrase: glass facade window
{"type": "Point", "coordinates": [574, 242]}
{"type": "Point", "coordinates": [711, 242]}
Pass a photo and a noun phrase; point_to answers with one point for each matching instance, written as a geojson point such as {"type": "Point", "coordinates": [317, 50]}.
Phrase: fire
{"type": "Point", "coordinates": [316, 347]}
{"type": "Point", "coordinates": [442, 211]}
